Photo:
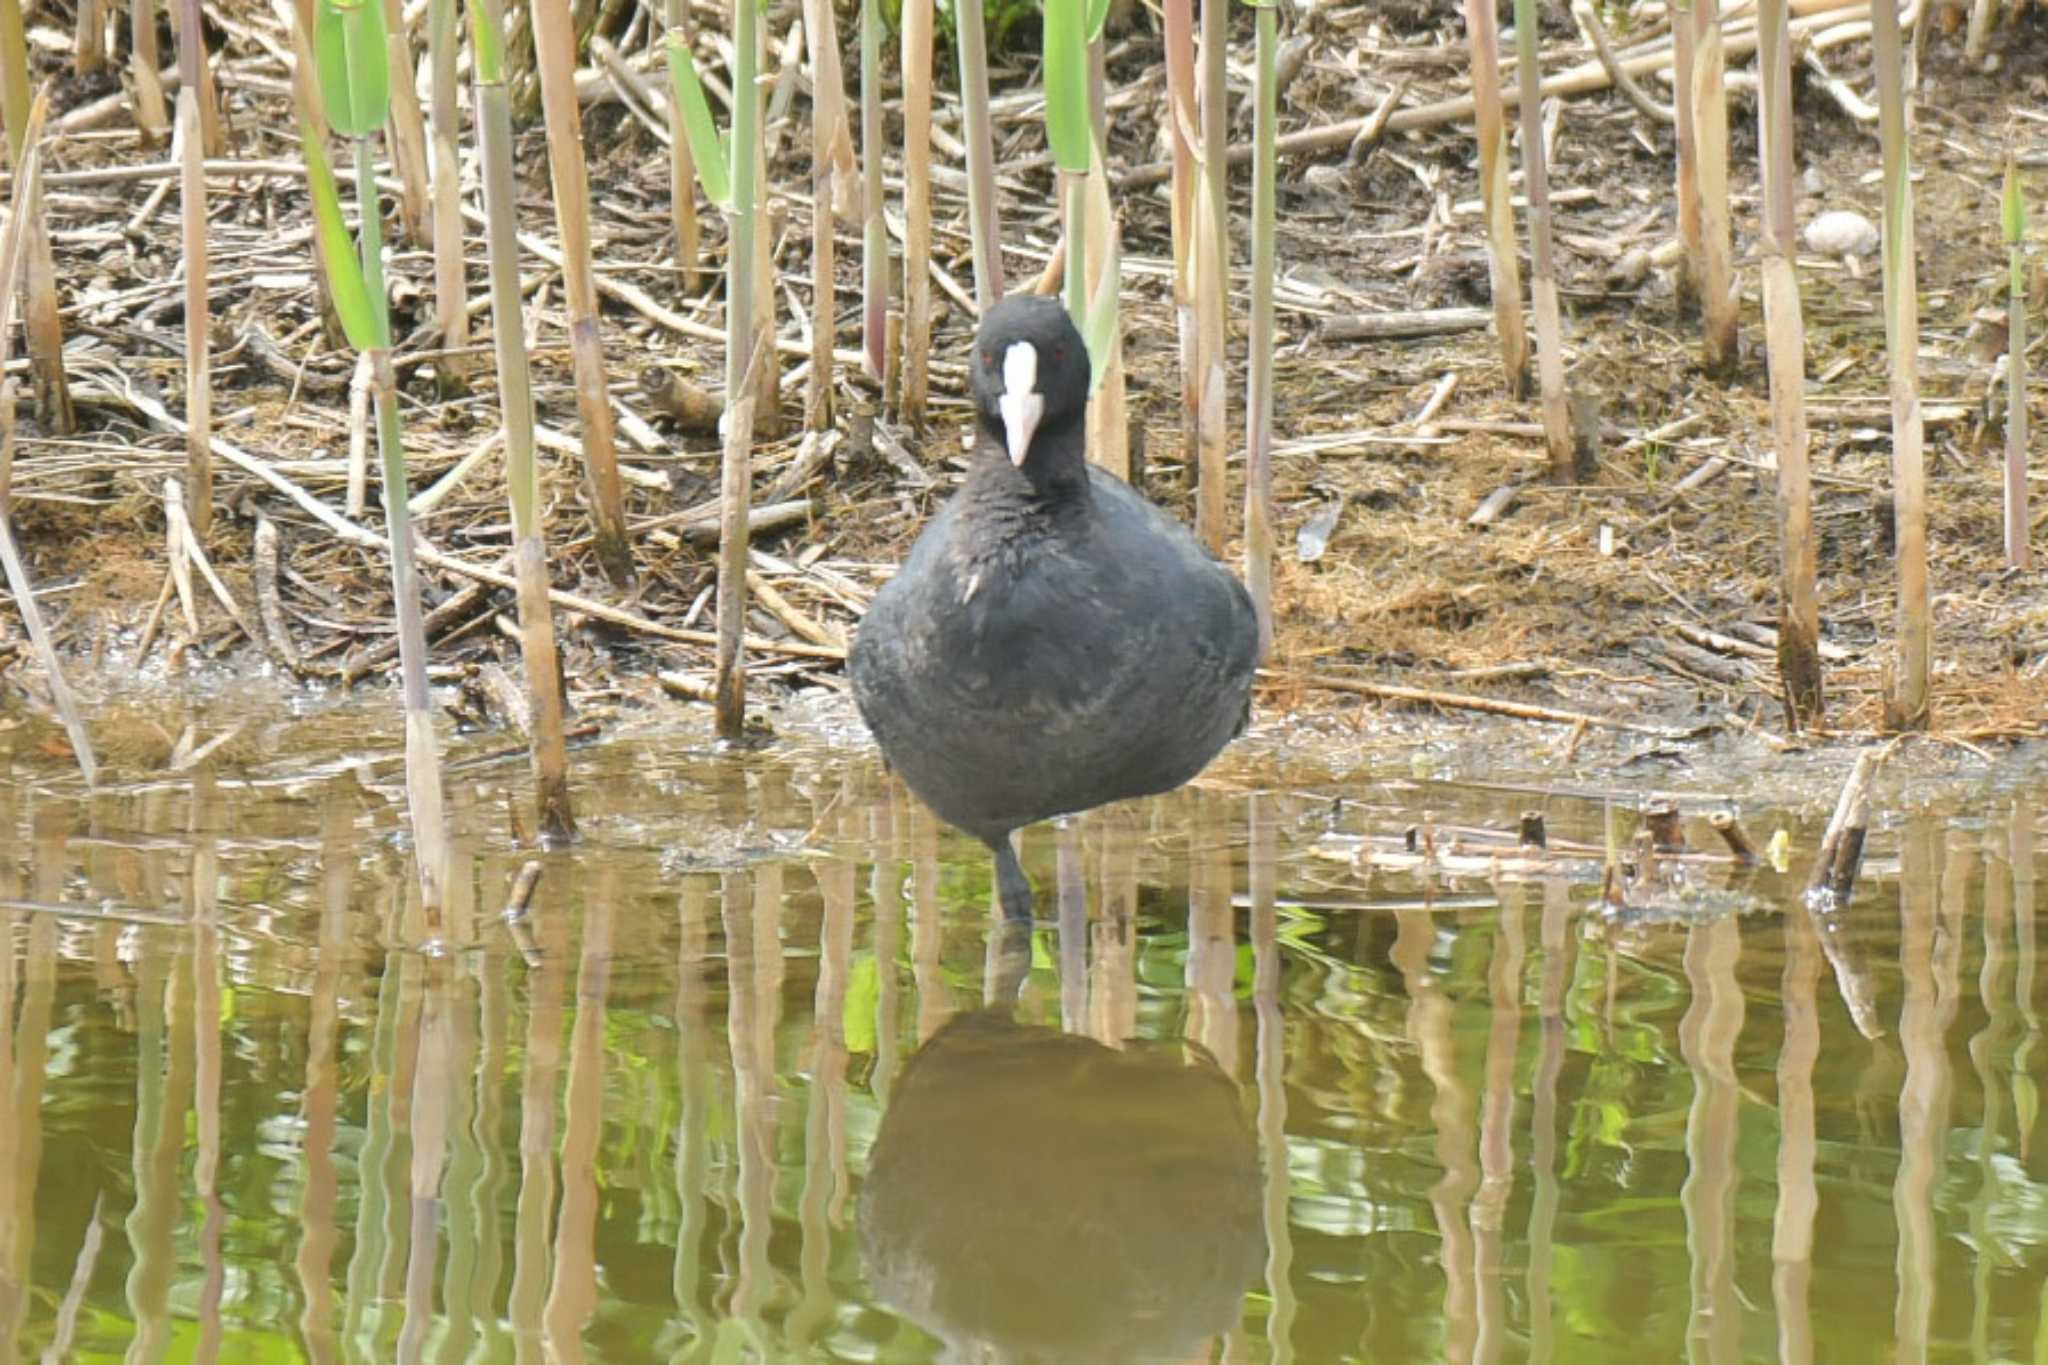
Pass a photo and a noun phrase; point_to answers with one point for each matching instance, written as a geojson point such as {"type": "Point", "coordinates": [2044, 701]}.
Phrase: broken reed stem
{"type": "Point", "coordinates": [198, 379]}
{"type": "Point", "coordinates": [537, 648]}
{"type": "Point", "coordinates": [555, 55]}
{"type": "Point", "coordinates": [1852, 812]}
{"type": "Point", "coordinates": [1557, 427]}
{"type": "Point", "coordinates": [1258, 445]}
{"type": "Point", "coordinates": [917, 209]}
{"type": "Point", "coordinates": [1907, 705]}
{"type": "Point", "coordinates": [1799, 669]}
{"type": "Point", "coordinates": [451, 284]}
{"type": "Point", "coordinates": [1503, 260]}
{"type": "Point", "coordinates": [874, 259]}
{"type": "Point", "coordinates": [1718, 301]}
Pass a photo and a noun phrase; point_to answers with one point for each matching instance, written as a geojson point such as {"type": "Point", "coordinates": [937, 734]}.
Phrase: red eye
{"type": "Point", "coordinates": [988, 358]}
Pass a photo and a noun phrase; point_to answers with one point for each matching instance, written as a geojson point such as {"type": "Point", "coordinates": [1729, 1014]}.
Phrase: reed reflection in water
{"type": "Point", "coordinates": [800, 1097]}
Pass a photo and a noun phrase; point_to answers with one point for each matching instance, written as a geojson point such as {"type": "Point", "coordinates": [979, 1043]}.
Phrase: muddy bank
{"type": "Point", "coordinates": [1646, 595]}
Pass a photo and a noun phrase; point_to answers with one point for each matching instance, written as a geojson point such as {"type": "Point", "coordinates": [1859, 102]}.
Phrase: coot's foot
{"type": "Point", "coordinates": [1013, 888]}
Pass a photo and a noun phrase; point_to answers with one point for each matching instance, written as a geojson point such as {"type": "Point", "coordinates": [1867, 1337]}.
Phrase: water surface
{"type": "Point", "coordinates": [758, 1075]}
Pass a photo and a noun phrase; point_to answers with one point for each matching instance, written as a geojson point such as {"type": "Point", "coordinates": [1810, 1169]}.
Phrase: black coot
{"type": "Point", "coordinates": [1054, 641]}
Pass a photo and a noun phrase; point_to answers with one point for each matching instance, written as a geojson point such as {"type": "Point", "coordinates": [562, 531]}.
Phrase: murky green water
{"type": "Point", "coordinates": [757, 1078]}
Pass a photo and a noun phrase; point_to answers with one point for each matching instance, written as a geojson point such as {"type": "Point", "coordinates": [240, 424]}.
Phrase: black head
{"type": "Point", "coordinates": [1029, 372]}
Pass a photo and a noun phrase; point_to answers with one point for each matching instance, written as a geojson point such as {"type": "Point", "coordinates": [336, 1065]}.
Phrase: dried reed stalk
{"type": "Point", "coordinates": [1258, 443]}
{"type": "Point", "coordinates": [832, 180]}
{"type": "Point", "coordinates": [874, 259]}
{"type": "Point", "coordinates": [1710, 133]}
{"type": "Point", "coordinates": [682, 166]}
{"type": "Point", "coordinates": [451, 285]}
{"type": "Point", "coordinates": [1799, 669]}
{"type": "Point", "coordinates": [89, 39]}
{"type": "Point", "coordinates": [198, 377]}
{"type": "Point", "coordinates": [1178, 32]}
{"type": "Point", "coordinates": [407, 131]}
{"type": "Point", "coordinates": [2018, 549]}
{"type": "Point", "coordinates": [1503, 259]}
{"type": "Point", "coordinates": [1557, 427]}
{"type": "Point", "coordinates": [555, 55]}
{"type": "Point", "coordinates": [152, 116]}
{"type": "Point", "coordinates": [747, 346]}
{"type": "Point", "coordinates": [1212, 278]}
{"type": "Point", "coordinates": [537, 649]}
{"type": "Point", "coordinates": [984, 218]}
{"type": "Point", "coordinates": [917, 208]}
{"type": "Point", "coordinates": [1907, 703]}
{"type": "Point", "coordinates": [195, 73]}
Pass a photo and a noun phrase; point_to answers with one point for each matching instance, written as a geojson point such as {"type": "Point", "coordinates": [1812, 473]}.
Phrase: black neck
{"type": "Point", "coordinates": [1054, 474]}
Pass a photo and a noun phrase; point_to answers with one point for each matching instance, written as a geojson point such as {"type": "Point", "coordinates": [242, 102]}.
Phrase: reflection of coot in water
{"type": "Point", "coordinates": [1058, 1200]}
{"type": "Point", "coordinates": [1054, 641]}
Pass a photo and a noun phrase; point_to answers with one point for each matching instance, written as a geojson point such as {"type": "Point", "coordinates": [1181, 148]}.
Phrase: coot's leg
{"type": "Point", "coordinates": [1009, 960]}
{"type": "Point", "coordinates": [1012, 886]}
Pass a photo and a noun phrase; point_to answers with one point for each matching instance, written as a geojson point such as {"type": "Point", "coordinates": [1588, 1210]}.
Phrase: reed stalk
{"type": "Point", "coordinates": [984, 215]}
{"type": "Point", "coordinates": [407, 133]}
{"type": "Point", "coordinates": [14, 250]}
{"type": "Point", "coordinates": [39, 289]}
{"type": "Point", "coordinates": [2013, 214]}
{"type": "Point", "coordinates": [682, 166]}
{"type": "Point", "coordinates": [1212, 277]}
{"type": "Point", "coordinates": [196, 74]}
{"type": "Point", "coordinates": [555, 55]}
{"type": "Point", "coordinates": [1503, 258]}
{"type": "Point", "coordinates": [1557, 427]}
{"type": "Point", "coordinates": [352, 55]}
{"type": "Point", "coordinates": [1258, 443]}
{"type": "Point", "coordinates": [312, 116]}
{"type": "Point", "coordinates": [1908, 704]}
{"type": "Point", "coordinates": [537, 647]}
{"type": "Point", "coordinates": [1178, 31]}
{"type": "Point", "coordinates": [746, 346]}
{"type": "Point", "coordinates": [1710, 134]}
{"type": "Point", "coordinates": [89, 39]}
{"type": "Point", "coordinates": [14, 78]}
{"type": "Point", "coordinates": [1685, 275]}
{"type": "Point", "coordinates": [1799, 669]}
{"type": "Point", "coordinates": [198, 377]}
{"type": "Point", "coordinates": [1108, 418]}
{"type": "Point", "coordinates": [152, 116]}
{"type": "Point", "coordinates": [917, 206]}
{"type": "Point", "coordinates": [451, 284]}
{"type": "Point", "coordinates": [874, 259]}
{"type": "Point", "coordinates": [832, 173]}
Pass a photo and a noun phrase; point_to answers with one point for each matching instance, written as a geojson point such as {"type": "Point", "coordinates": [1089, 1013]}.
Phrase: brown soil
{"type": "Point", "coordinates": [1574, 597]}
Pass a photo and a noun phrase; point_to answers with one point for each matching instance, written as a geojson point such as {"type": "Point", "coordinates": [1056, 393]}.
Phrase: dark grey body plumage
{"type": "Point", "coordinates": [1053, 641]}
